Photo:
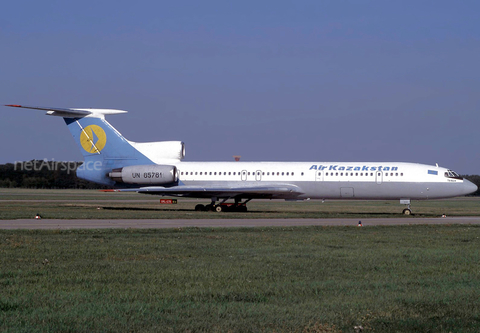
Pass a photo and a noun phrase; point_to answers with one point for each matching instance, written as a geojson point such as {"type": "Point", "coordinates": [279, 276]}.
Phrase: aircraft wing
{"type": "Point", "coordinates": [285, 191]}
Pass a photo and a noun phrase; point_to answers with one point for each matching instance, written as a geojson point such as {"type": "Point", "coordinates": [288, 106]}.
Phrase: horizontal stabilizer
{"type": "Point", "coordinates": [72, 112]}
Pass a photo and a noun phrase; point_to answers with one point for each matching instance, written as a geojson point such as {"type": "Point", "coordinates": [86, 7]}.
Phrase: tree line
{"type": "Point", "coordinates": [44, 174]}
{"type": "Point", "coordinates": [62, 175]}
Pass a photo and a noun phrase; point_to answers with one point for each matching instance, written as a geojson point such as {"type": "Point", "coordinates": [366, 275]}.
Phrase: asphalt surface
{"type": "Point", "coordinates": [159, 224]}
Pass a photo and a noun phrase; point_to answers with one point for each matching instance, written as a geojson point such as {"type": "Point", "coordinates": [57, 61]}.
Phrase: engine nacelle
{"type": "Point", "coordinates": [161, 150]}
{"type": "Point", "coordinates": [145, 174]}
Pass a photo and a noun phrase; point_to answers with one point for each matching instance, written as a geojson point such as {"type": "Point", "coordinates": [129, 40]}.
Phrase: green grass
{"type": "Point", "coordinates": [88, 204]}
{"type": "Point", "coordinates": [298, 279]}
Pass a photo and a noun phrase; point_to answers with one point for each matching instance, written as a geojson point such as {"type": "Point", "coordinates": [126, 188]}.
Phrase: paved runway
{"type": "Point", "coordinates": [158, 224]}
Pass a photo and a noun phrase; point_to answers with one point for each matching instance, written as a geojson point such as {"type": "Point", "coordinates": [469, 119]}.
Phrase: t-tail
{"type": "Point", "coordinates": [112, 160]}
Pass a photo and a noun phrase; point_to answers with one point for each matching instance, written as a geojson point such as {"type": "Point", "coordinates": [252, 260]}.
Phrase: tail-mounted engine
{"type": "Point", "coordinates": [145, 174]}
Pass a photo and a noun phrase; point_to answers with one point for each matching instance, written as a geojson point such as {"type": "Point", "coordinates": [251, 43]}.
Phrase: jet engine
{"type": "Point", "coordinates": [145, 174]}
{"type": "Point", "coordinates": [161, 150]}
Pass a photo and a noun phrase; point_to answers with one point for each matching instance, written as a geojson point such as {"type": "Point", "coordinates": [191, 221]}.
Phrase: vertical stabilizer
{"type": "Point", "coordinates": [103, 148]}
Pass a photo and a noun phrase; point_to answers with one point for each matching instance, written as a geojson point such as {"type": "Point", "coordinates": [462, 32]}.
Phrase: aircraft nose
{"type": "Point", "coordinates": [469, 186]}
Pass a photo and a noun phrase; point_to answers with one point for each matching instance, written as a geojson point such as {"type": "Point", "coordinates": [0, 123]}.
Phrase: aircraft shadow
{"type": "Point", "coordinates": [182, 210]}
{"type": "Point", "coordinates": [146, 209]}
{"type": "Point", "coordinates": [298, 214]}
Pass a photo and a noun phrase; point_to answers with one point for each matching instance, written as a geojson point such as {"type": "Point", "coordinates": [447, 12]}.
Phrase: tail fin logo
{"type": "Point", "coordinates": [93, 139]}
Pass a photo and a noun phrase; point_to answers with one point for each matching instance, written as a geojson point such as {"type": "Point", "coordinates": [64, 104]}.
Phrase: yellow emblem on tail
{"type": "Point", "coordinates": [93, 139]}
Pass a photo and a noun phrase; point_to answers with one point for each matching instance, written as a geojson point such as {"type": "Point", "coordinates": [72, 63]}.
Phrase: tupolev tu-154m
{"type": "Point", "coordinates": [157, 168]}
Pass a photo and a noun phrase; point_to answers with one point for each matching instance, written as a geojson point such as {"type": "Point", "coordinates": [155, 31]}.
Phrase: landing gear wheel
{"type": "Point", "coordinates": [407, 211]}
{"type": "Point", "coordinates": [199, 208]}
{"type": "Point", "coordinates": [218, 209]}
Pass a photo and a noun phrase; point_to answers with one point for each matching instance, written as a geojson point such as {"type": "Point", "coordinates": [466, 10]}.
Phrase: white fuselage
{"type": "Point", "coordinates": [156, 168]}
{"type": "Point", "coordinates": [327, 180]}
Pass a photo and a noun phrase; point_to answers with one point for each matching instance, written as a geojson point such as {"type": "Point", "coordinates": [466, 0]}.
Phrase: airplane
{"type": "Point", "coordinates": [157, 168]}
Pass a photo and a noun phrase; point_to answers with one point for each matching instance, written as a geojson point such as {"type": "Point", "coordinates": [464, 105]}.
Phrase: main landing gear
{"type": "Point", "coordinates": [223, 206]}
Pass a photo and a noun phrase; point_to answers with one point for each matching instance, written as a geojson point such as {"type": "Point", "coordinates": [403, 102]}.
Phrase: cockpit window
{"type": "Point", "coordinates": [452, 174]}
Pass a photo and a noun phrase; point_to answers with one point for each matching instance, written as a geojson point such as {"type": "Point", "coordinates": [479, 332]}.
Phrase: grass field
{"type": "Point", "coordinates": [299, 279]}
{"type": "Point", "coordinates": [295, 279]}
{"type": "Point", "coordinates": [72, 204]}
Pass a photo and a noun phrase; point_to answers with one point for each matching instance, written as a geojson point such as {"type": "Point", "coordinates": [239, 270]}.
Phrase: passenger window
{"type": "Point", "coordinates": [292, 173]}
{"type": "Point", "coordinates": [302, 173]}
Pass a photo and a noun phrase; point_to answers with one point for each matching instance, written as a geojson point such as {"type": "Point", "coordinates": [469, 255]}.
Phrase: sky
{"type": "Point", "coordinates": [316, 81]}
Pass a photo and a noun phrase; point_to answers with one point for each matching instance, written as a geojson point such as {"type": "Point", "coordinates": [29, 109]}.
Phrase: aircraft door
{"type": "Point", "coordinates": [318, 175]}
{"type": "Point", "coordinates": [379, 177]}
{"type": "Point", "coordinates": [346, 192]}
{"type": "Point", "coordinates": [244, 175]}
{"type": "Point", "coordinates": [258, 175]}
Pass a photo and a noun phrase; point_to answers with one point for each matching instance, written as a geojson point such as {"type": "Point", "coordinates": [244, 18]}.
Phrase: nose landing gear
{"type": "Point", "coordinates": [406, 211]}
